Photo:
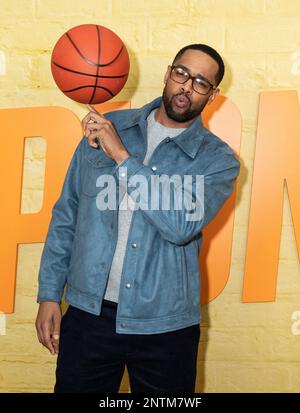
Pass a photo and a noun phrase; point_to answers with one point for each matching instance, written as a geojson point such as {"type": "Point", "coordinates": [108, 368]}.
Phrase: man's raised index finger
{"type": "Point", "coordinates": [92, 109]}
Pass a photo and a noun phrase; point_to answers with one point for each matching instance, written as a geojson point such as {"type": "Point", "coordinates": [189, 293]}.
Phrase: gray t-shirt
{"type": "Point", "coordinates": [156, 132]}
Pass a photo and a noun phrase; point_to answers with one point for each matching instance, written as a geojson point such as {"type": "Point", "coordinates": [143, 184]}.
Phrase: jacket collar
{"type": "Point", "coordinates": [189, 140]}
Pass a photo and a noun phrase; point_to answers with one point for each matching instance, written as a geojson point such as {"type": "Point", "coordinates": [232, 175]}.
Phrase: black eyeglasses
{"type": "Point", "coordinates": [200, 85]}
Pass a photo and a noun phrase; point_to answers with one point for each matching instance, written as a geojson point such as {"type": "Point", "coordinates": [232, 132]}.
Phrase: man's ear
{"type": "Point", "coordinates": [167, 74]}
{"type": "Point", "coordinates": [213, 96]}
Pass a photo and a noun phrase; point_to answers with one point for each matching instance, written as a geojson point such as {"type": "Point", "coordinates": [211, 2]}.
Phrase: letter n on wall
{"type": "Point", "coordinates": [277, 161]}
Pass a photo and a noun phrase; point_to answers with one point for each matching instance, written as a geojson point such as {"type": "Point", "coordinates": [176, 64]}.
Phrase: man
{"type": "Point", "coordinates": [131, 274]}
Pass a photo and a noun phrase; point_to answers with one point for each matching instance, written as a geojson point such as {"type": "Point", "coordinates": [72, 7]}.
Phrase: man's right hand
{"type": "Point", "coordinates": [48, 325]}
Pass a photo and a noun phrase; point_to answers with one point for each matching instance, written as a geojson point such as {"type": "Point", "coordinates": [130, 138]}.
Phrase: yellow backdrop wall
{"type": "Point", "coordinates": [249, 347]}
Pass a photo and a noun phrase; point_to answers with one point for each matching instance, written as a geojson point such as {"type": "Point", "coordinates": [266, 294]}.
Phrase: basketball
{"type": "Point", "coordinates": [90, 64]}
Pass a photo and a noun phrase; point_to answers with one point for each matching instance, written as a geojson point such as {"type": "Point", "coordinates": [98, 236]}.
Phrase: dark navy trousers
{"type": "Point", "coordinates": [92, 356]}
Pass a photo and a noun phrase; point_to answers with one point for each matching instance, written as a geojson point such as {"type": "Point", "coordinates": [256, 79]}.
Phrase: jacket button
{"type": "Point", "coordinates": [133, 245]}
{"type": "Point", "coordinates": [122, 174]}
{"type": "Point", "coordinates": [153, 168]}
{"type": "Point", "coordinates": [127, 285]}
{"type": "Point", "coordinates": [123, 325]}
{"type": "Point", "coordinates": [168, 140]}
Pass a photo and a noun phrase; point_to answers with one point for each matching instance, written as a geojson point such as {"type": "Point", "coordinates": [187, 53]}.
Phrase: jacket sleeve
{"type": "Point", "coordinates": [174, 224]}
{"type": "Point", "coordinates": [57, 249]}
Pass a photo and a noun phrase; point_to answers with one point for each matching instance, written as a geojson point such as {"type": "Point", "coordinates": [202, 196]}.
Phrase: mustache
{"type": "Point", "coordinates": [182, 94]}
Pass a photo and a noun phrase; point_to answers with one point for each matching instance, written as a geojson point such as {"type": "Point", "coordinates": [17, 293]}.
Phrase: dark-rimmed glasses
{"type": "Point", "coordinates": [200, 85]}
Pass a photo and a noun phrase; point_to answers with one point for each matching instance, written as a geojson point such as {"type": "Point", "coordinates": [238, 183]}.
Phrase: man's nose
{"type": "Point", "coordinates": [187, 87]}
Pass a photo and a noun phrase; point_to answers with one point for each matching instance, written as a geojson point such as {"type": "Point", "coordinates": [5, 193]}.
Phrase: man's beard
{"type": "Point", "coordinates": [183, 116]}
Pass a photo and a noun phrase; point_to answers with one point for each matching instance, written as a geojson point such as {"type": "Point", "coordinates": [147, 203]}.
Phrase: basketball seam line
{"type": "Point", "coordinates": [86, 74]}
{"type": "Point", "coordinates": [93, 86]}
{"type": "Point", "coordinates": [99, 56]}
{"type": "Point", "coordinates": [89, 61]}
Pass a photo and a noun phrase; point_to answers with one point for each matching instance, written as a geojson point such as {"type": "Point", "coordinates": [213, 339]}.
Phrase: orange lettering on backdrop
{"type": "Point", "coordinates": [62, 130]}
{"type": "Point", "coordinates": [276, 161]}
{"type": "Point", "coordinates": [222, 118]}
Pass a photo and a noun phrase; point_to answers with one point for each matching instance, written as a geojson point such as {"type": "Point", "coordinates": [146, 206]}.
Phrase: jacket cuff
{"type": "Point", "coordinates": [49, 293]}
{"type": "Point", "coordinates": [130, 166]}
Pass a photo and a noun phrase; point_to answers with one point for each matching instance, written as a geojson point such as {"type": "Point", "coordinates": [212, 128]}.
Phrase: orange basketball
{"type": "Point", "coordinates": [90, 64]}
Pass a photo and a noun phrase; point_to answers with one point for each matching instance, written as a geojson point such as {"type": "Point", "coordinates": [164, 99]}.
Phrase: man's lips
{"type": "Point", "coordinates": [181, 101]}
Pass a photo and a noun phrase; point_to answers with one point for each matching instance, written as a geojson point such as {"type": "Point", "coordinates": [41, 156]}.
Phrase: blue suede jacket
{"type": "Point", "coordinates": [160, 281]}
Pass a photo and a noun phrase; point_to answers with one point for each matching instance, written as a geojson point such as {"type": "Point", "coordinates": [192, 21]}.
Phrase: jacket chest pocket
{"type": "Point", "coordinates": [97, 174]}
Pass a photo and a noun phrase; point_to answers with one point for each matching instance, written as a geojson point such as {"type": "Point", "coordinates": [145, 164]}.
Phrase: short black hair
{"type": "Point", "coordinates": [211, 52]}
